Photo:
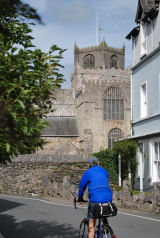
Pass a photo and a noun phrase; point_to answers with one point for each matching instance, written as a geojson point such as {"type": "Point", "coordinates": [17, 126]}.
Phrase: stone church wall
{"type": "Point", "coordinates": [57, 149]}
{"type": "Point", "coordinates": [90, 108]}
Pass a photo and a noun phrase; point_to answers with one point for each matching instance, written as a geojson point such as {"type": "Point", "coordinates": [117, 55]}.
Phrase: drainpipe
{"type": "Point", "coordinates": [129, 171]}
{"type": "Point", "coordinates": [141, 173]}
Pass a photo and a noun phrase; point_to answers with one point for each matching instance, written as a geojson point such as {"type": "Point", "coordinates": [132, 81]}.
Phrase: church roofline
{"type": "Point", "coordinates": [101, 46]}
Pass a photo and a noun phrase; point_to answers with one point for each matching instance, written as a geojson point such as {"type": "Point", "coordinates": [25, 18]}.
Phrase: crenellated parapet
{"type": "Point", "coordinates": [102, 46]}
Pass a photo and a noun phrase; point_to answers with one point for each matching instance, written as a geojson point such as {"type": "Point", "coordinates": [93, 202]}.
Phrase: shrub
{"type": "Point", "coordinates": [108, 160]}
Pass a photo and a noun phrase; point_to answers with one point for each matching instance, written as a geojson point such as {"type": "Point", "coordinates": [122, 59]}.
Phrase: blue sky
{"type": "Point", "coordinates": [70, 21]}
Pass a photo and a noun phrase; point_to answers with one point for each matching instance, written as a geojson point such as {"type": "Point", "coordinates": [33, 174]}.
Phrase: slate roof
{"type": "Point", "coordinates": [144, 7]}
{"type": "Point", "coordinates": [61, 126]}
{"type": "Point", "coordinates": [147, 5]}
{"type": "Point", "coordinates": [133, 33]}
{"type": "Point", "coordinates": [146, 10]}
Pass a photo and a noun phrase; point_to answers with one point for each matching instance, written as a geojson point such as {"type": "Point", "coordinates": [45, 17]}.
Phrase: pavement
{"type": "Point", "coordinates": [22, 217]}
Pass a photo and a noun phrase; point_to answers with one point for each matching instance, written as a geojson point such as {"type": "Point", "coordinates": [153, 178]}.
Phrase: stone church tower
{"type": "Point", "coordinates": [96, 110]}
{"type": "Point", "coordinates": [101, 88]}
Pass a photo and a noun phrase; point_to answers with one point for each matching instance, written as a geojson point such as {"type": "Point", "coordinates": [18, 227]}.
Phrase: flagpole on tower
{"type": "Point", "coordinates": [97, 29]}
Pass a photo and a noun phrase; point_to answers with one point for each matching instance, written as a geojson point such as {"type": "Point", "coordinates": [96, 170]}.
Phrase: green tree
{"type": "Point", "coordinates": [22, 9]}
{"type": "Point", "coordinates": [28, 78]}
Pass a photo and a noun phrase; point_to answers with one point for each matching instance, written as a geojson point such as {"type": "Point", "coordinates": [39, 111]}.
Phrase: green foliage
{"type": "Point", "coordinates": [108, 160]}
{"type": "Point", "coordinates": [134, 192]}
{"type": "Point", "coordinates": [28, 78]}
{"type": "Point", "coordinates": [127, 150]}
{"type": "Point", "coordinates": [115, 187]}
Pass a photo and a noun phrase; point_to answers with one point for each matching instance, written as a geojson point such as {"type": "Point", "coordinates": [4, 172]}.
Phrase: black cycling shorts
{"type": "Point", "coordinates": [90, 207]}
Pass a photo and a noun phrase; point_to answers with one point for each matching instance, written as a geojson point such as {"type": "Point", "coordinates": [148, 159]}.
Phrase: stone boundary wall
{"type": "Point", "coordinates": [60, 180]}
{"type": "Point", "coordinates": [55, 158]}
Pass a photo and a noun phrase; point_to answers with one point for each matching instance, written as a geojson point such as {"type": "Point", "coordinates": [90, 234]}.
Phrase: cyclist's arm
{"type": "Point", "coordinates": [82, 185]}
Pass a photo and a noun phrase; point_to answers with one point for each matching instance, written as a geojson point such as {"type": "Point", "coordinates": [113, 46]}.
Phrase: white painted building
{"type": "Point", "coordinates": [145, 99]}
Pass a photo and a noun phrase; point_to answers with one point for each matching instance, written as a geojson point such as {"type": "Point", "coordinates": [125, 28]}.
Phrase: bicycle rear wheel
{"type": "Point", "coordinates": [108, 232]}
{"type": "Point", "coordinates": [83, 229]}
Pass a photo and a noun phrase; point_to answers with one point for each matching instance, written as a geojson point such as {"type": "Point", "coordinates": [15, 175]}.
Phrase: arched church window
{"type": "Point", "coordinates": [114, 135]}
{"type": "Point", "coordinates": [114, 62]}
{"type": "Point", "coordinates": [113, 104]}
{"type": "Point", "coordinates": [88, 62]}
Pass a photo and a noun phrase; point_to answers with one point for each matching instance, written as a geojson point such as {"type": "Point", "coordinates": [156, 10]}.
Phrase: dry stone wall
{"type": "Point", "coordinates": [40, 179]}
{"type": "Point", "coordinates": [140, 201]}
{"type": "Point", "coordinates": [60, 180]}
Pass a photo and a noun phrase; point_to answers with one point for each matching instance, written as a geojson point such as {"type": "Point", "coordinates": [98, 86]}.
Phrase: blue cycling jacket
{"type": "Point", "coordinates": [96, 178]}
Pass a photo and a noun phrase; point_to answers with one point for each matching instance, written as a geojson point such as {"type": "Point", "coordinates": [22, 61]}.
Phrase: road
{"type": "Point", "coordinates": [36, 218]}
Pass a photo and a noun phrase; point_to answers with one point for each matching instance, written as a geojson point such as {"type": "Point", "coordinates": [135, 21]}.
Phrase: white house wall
{"type": "Point", "coordinates": [152, 39]}
{"type": "Point", "coordinates": [148, 72]}
{"type": "Point", "coordinates": [156, 35]}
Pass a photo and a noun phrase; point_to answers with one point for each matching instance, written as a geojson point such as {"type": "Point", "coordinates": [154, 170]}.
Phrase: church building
{"type": "Point", "coordinates": [95, 112]}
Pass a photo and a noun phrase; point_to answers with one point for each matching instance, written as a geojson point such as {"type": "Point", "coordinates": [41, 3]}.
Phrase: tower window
{"type": "Point", "coordinates": [113, 104]}
{"type": "Point", "coordinates": [114, 62]}
{"type": "Point", "coordinates": [114, 134]}
{"type": "Point", "coordinates": [88, 62]}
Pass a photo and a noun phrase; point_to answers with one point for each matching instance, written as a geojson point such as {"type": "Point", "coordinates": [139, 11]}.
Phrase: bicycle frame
{"type": "Point", "coordinates": [99, 227]}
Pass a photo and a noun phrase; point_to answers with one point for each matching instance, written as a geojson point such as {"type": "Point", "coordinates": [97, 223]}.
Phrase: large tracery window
{"type": "Point", "coordinates": [88, 62]}
{"type": "Point", "coordinates": [114, 61]}
{"type": "Point", "coordinates": [113, 104]}
{"type": "Point", "coordinates": [114, 135]}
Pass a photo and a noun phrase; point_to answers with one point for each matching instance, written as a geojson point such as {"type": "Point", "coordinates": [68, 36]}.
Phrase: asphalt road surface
{"type": "Point", "coordinates": [36, 218]}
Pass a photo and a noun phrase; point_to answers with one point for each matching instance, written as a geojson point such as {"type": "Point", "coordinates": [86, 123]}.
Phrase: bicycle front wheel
{"type": "Point", "coordinates": [83, 229]}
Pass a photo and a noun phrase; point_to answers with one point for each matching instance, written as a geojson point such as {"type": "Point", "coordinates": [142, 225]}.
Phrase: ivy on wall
{"type": "Point", "coordinates": [108, 160]}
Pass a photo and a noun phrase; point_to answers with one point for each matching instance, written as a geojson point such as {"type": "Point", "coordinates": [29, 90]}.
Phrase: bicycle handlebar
{"type": "Point", "coordinates": [78, 200]}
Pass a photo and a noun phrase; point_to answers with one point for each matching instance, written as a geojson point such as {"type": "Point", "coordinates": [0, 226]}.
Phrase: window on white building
{"type": "Point", "coordinates": [134, 50]}
{"type": "Point", "coordinates": [157, 160]}
{"type": "Point", "coordinates": [140, 162]}
{"type": "Point", "coordinates": [143, 98]}
{"type": "Point", "coordinates": [159, 92]}
{"type": "Point", "coordinates": [143, 39]}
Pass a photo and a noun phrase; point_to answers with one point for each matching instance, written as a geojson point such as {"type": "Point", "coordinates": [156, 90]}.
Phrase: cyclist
{"type": "Point", "coordinates": [96, 179]}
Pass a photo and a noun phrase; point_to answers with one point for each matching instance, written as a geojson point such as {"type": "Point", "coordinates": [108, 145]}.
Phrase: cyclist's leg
{"type": "Point", "coordinates": [92, 221]}
{"type": "Point", "coordinates": [91, 228]}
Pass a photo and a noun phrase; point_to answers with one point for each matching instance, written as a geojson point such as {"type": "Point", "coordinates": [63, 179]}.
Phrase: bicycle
{"type": "Point", "coordinates": [102, 230]}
